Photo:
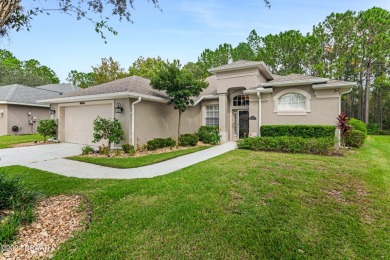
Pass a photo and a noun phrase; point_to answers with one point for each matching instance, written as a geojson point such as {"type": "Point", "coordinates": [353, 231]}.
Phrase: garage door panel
{"type": "Point", "coordinates": [79, 122]}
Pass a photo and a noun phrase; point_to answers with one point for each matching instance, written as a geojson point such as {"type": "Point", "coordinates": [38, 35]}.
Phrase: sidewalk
{"type": "Point", "coordinates": [72, 168]}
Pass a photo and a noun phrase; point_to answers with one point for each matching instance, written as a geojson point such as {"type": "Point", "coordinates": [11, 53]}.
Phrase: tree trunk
{"type": "Point", "coordinates": [178, 129]}
{"type": "Point", "coordinates": [360, 96]}
{"type": "Point", "coordinates": [367, 97]}
{"type": "Point", "coordinates": [7, 8]}
{"type": "Point", "coordinates": [380, 109]}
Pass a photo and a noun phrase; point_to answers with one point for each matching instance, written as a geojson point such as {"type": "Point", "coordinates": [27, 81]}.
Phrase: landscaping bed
{"type": "Point", "coordinates": [57, 219]}
{"type": "Point", "coordinates": [123, 160]}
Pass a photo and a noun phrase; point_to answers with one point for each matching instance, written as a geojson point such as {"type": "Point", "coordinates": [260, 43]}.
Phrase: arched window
{"type": "Point", "coordinates": [241, 101]}
{"type": "Point", "coordinates": [292, 101]}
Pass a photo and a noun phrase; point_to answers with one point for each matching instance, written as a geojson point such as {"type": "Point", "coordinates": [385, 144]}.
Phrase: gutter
{"type": "Point", "coordinates": [104, 96]}
{"type": "Point", "coordinates": [259, 116]}
{"type": "Point", "coordinates": [258, 90]}
{"type": "Point", "coordinates": [133, 119]}
{"type": "Point", "coordinates": [22, 104]}
{"type": "Point", "coordinates": [205, 97]}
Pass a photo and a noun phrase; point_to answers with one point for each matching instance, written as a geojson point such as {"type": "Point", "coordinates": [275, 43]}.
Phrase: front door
{"type": "Point", "coordinates": [243, 123]}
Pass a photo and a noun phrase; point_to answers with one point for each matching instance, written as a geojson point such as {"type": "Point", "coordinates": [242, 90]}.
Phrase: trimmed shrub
{"type": "Point", "coordinates": [305, 131]}
{"type": "Point", "coordinates": [207, 133]}
{"type": "Point", "coordinates": [129, 149]}
{"type": "Point", "coordinates": [288, 144]}
{"type": "Point", "coordinates": [358, 125]}
{"type": "Point", "coordinates": [188, 140]}
{"type": "Point", "coordinates": [355, 138]}
{"type": "Point", "coordinates": [372, 129]}
{"type": "Point", "coordinates": [158, 143]}
{"type": "Point", "coordinates": [87, 149]}
{"type": "Point", "coordinates": [383, 132]}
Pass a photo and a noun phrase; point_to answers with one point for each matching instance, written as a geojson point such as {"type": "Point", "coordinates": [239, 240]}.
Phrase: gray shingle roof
{"type": "Point", "coordinates": [134, 84]}
{"type": "Point", "coordinates": [293, 77]}
{"type": "Point", "coordinates": [21, 94]}
{"type": "Point", "coordinates": [27, 95]}
{"type": "Point", "coordinates": [239, 63]}
{"type": "Point", "coordinates": [63, 88]}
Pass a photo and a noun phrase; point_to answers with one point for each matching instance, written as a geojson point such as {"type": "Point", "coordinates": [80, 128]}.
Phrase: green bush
{"type": "Point", "coordinates": [288, 144]}
{"type": "Point", "coordinates": [372, 129]}
{"type": "Point", "coordinates": [358, 125]}
{"type": "Point", "coordinates": [383, 132]}
{"type": "Point", "coordinates": [305, 131]}
{"type": "Point", "coordinates": [158, 143]}
{"type": "Point", "coordinates": [355, 138]}
{"type": "Point", "coordinates": [87, 149]}
{"type": "Point", "coordinates": [47, 128]}
{"type": "Point", "coordinates": [188, 140]}
{"type": "Point", "coordinates": [17, 197]}
{"type": "Point", "coordinates": [129, 149]}
{"type": "Point", "coordinates": [207, 133]}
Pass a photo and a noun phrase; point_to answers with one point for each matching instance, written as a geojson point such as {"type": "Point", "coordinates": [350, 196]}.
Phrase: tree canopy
{"type": "Point", "coordinates": [28, 73]}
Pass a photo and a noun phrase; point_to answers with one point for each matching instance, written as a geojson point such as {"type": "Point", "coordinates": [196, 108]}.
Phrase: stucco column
{"type": "Point", "coordinates": [223, 113]}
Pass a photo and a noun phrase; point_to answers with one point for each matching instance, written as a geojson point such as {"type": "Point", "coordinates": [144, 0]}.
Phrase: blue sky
{"type": "Point", "coordinates": [182, 30]}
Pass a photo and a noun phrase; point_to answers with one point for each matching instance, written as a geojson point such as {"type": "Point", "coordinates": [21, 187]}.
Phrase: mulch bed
{"type": "Point", "coordinates": [145, 152]}
{"type": "Point", "coordinates": [31, 144]}
{"type": "Point", "coordinates": [58, 218]}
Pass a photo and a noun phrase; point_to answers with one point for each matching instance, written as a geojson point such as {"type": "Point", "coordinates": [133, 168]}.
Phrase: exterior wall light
{"type": "Point", "coordinates": [52, 111]}
{"type": "Point", "coordinates": [1, 113]}
{"type": "Point", "coordinates": [118, 108]}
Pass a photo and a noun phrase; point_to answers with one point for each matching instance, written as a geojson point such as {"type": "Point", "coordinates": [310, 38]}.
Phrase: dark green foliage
{"type": "Point", "coordinates": [383, 132]}
{"type": "Point", "coordinates": [129, 149]}
{"type": "Point", "coordinates": [355, 138]}
{"type": "Point", "coordinates": [305, 131]}
{"type": "Point", "coordinates": [158, 143]}
{"type": "Point", "coordinates": [358, 125]}
{"type": "Point", "coordinates": [47, 127]}
{"type": "Point", "coordinates": [108, 129]}
{"type": "Point", "coordinates": [288, 144]}
{"type": "Point", "coordinates": [17, 197]}
{"type": "Point", "coordinates": [87, 149]}
{"type": "Point", "coordinates": [207, 133]}
{"type": "Point", "coordinates": [188, 140]}
{"type": "Point", "coordinates": [372, 129]}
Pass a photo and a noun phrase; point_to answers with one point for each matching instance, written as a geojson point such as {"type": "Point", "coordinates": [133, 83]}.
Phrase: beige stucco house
{"type": "Point", "coordinates": [241, 97]}
{"type": "Point", "coordinates": [19, 110]}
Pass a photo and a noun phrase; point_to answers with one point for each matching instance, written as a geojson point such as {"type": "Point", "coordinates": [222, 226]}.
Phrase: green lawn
{"type": "Point", "coordinates": [133, 162]}
{"type": "Point", "coordinates": [242, 204]}
{"type": "Point", "coordinates": [6, 141]}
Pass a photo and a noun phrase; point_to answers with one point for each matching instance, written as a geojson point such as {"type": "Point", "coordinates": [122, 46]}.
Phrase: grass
{"type": "Point", "coordinates": [7, 141]}
{"type": "Point", "coordinates": [242, 204]}
{"type": "Point", "coordinates": [133, 162]}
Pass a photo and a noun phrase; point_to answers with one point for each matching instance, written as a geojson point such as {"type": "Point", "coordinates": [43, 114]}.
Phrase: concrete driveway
{"type": "Point", "coordinates": [50, 158]}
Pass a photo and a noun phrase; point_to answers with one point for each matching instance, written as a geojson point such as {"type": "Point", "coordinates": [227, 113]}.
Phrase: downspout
{"type": "Point", "coordinates": [346, 92]}
{"type": "Point", "coordinates": [259, 116]}
{"type": "Point", "coordinates": [133, 120]}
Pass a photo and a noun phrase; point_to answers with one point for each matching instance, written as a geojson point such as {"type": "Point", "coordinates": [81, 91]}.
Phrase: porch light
{"type": "Point", "coordinates": [1, 113]}
{"type": "Point", "coordinates": [118, 108]}
{"type": "Point", "coordinates": [52, 111]}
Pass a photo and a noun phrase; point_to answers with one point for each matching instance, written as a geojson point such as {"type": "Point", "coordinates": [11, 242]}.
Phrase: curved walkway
{"type": "Point", "coordinates": [50, 158]}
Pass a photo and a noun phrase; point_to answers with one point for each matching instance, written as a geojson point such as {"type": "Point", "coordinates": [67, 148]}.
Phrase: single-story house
{"type": "Point", "coordinates": [19, 110]}
{"type": "Point", "coordinates": [241, 97]}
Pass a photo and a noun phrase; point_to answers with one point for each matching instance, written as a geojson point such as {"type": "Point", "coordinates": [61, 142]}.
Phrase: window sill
{"type": "Point", "coordinates": [292, 113]}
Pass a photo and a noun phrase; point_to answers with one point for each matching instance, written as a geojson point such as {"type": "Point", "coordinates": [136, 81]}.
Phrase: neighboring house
{"type": "Point", "coordinates": [241, 97]}
{"type": "Point", "coordinates": [19, 110]}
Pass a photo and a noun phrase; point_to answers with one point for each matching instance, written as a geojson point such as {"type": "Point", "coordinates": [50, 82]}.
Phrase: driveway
{"type": "Point", "coordinates": [50, 158]}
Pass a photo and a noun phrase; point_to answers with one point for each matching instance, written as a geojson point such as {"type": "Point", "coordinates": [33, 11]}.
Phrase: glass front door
{"type": "Point", "coordinates": [243, 123]}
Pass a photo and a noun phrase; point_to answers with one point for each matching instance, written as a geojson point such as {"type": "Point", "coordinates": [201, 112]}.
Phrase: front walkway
{"type": "Point", "coordinates": [52, 160]}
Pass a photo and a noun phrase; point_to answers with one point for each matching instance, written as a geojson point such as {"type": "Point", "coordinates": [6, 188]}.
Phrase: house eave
{"type": "Point", "coordinates": [294, 83]}
{"type": "Point", "coordinates": [22, 104]}
{"type": "Point", "coordinates": [258, 90]}
{"type": "Point", "coordinates": [334, 85]}
{"type": "Point", "coordinates": [104, 96]}
{"type": "Point", "coordinates": [260, 65]}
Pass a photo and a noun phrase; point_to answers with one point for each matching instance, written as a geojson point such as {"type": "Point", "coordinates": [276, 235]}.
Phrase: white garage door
{"type": "Point", "coordinates": [79, 122]}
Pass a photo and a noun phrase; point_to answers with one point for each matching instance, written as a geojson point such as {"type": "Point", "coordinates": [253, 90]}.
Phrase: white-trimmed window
{"type": "Point", "coordinates": [292, 102]}
{"type": "Point", "coordinates": [212, 115]}
{"type": "Point", "coordinates": [241, 101]}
